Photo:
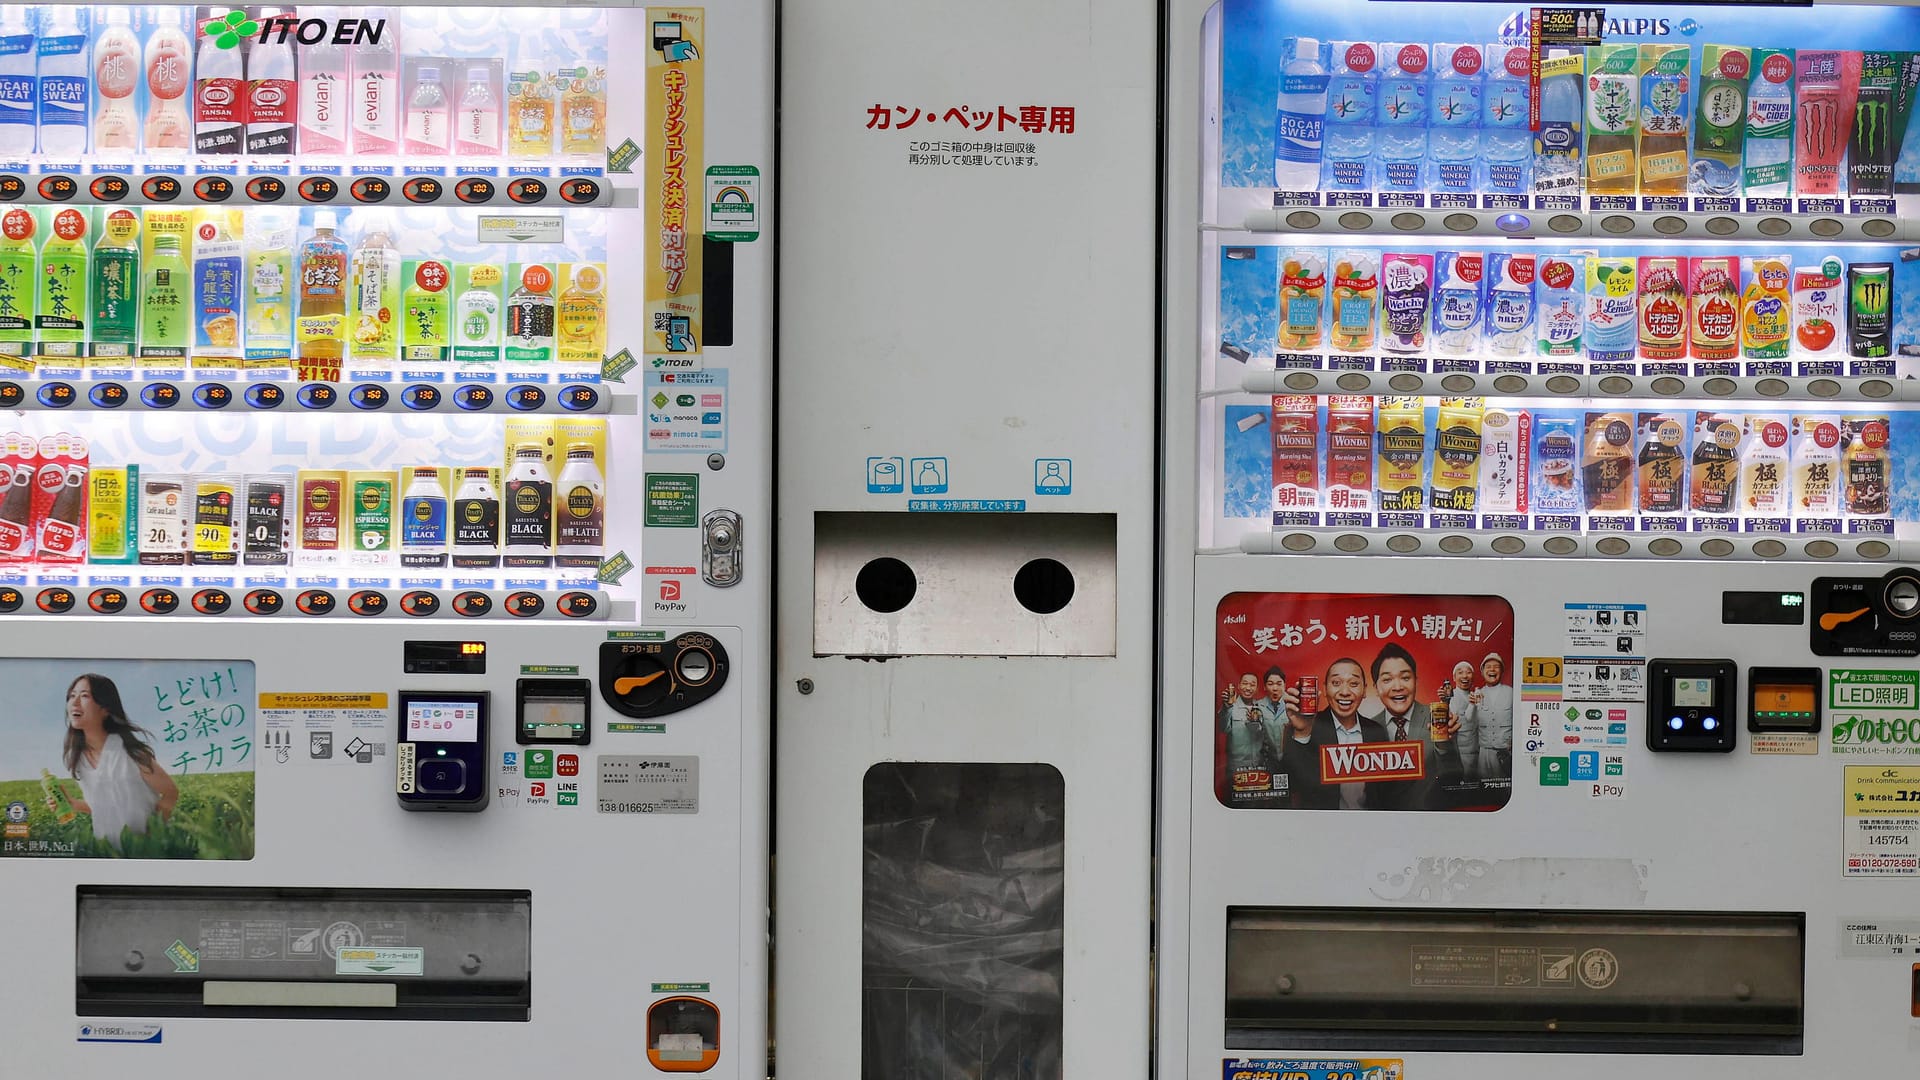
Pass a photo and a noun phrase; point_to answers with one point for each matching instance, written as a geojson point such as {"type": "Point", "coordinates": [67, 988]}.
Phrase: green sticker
{"type": "Point", "coordinates": [1553, 772]}
{"type": "Point", "coordinates": [549, 669]}
{"type": "Point", "coordinates": [184, 959]}
{"type": "Point", "coordinates": [673, 500]}
{"type": "Point", "coordinates": [621, 727]}
{"type": "Point", "coordinates": [614, 368]}
{"type": "Point", "coordinates": [733, 203]}
{"type": "Point", "coordinates": [613, 568]}
{"type": "Point", "coordinates": [683, 988]}
{"type": "Point", "coordinates": [538, 765]}
{"type": "Point", "coordinates": [636, 635]}
{"type": "Point", "coordinates": [620, 159]}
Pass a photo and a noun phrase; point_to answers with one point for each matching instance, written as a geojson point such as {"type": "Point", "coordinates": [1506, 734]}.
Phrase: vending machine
{"type": "Point", "coordinates": [383, 536]}
{"type": "Point", "coordinates": [1539, 576]}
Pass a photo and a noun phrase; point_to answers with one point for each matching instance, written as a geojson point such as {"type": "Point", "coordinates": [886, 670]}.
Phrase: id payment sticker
{"type": "Point", "coordinates": [1313, 1069]}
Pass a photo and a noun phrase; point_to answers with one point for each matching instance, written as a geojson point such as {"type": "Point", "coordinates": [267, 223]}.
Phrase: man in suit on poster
{"type": "Point", "coordinates": [1396, 683]}
{"type": "Point", "coordinates": [1338, 723]}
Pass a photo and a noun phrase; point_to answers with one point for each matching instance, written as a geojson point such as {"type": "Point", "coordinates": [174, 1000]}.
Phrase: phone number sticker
{"type": "Point", "coordinates": [1883, 821]}
{"type": "Point", "coordinates": [1313, 1069]}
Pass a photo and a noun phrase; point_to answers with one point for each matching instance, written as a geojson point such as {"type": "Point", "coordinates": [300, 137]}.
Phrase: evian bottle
{"type": "Point", "coordinates": [376, 86]}
{"type": "Point", "coordinates": [324, 88]}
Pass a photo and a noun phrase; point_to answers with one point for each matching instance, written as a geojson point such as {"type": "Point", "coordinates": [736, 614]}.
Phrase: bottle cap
{"type": "Point", "coordinates": [325, 219]}
{"type": "Point", "coordinates": [580, 450]}
{"type": "Point", "coordinates": [429, 73]}
{"type": "Point", "coordinates": [473, 472]}
{"type": "Point", "coordinates": [529, 452]}
{"type": "Point", "coordinates": [425, 471]}
{"type": "Point", "coordinates": [1306, 48]}
{"type": "Point", "coordinates": [479, 73]}
{"type": "Point", "coordinates": [166, 241]}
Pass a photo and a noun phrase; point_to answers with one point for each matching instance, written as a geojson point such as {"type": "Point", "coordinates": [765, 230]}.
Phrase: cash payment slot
{"type": "Point", "coordinates": [1866, 616]}
{"type": "Point", "coordinates": [647, 679]}
{"type": "Point", "coordinates": [340, 954]}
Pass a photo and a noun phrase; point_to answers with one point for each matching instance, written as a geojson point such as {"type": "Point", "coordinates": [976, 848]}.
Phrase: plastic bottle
{"type": "Point", "coordinates": [1510, 281]}
{"type": "Point", "coordinates": [478, 124]}
{"type": "Point", "coordinates": [529, 104]}
{"type": "Point", "coordinates": [166, 299]}
{"type": "Point", "coordinates": [529, 509]}
{"type": "Point", "coordinates": [1300, 112]}
{"type": "Point", "coordinates": [376, 294]}
{"type": "Point", "coordinates": [1560, 303]}
{"type": "Point", "coordinates": [1556, 149]}
{"type": "Point", "coordinates": [423, 519]}
{"type": "Point", "coordinates": [18, 90]}
{"type": "Point", "coordinates": [169, 68]}
{"type": "Point", "coordinates": [376, 91]}
{"type": "Point", "coordinates": [1613, 119]}
{"type": "Point", "coordinates": [324, 104]}
{"type": "Point", "coordinates": [1458, 307]}
{"type": "Point", "coordinates": [1505, 146]}
{"type": "Point", "coordinates": [320, 322]}
{"type": "Point", "coordinates": [1453, 117]}
{"type": "Point", "coordinates": [1347, 137]}
{"type": "Point", "coordinates": [427, 114]}
{"type": "Point", "coordinates": [273, 101]}
{"type": "Point", "coordinates": [116, 72]}
{"type": "Point", "coordinates": [64, 86]}
{"type": "Point", "coordinates": [269, 286]}
{"type": "Point", "coordinates": [116, 284]}
{"type": "Point", "coordinates": [1402, 147]}
{"type": "Point", "coordinates": [219, 104]}
{"type": "Point", "coordinates": [61, 319]}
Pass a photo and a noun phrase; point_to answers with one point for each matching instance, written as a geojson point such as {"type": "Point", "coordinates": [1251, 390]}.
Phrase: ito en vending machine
{"type": "Point", "coordinates": [383, 536]}
{"type": "Point", "coordinates": [1540, 510]}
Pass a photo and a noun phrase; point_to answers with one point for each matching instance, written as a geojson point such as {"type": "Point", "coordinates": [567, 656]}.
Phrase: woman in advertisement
{"type": "Point", "coordinates": [122, 784]}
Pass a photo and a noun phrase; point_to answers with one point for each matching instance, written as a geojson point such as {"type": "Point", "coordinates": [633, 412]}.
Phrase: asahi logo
{"type": "Point", "coordinates": [1352, 763]}
{"type": "Point", "coordinates": [229, 30]}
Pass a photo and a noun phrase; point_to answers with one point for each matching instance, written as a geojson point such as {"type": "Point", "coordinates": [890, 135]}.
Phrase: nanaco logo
{"type": "Point", "coordinates": [229, 30]}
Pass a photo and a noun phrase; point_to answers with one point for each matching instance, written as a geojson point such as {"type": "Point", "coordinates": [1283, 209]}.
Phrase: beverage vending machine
{"type": "Point", "coordinates": [1539, 446]}
{"type": "Point", "coordinates": [383, 535]}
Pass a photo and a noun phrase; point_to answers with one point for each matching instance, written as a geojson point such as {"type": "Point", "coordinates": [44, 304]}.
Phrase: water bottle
{"type": "Point", "coordinates": [17, 86]}
{"type": "Point", "coordinates": [1556, 148]}
{"type": "Point", "coordinates": [1506, 147]}
{"type": "Point", "coordinates": [1453, 118]}
{"type": "Point", "coordinates": [65, 90]}
{"type": "Point", "coordinates": [1302, 109]}
{"type": "Point", "coordinates": [1351, 110]}
{"type": "Point", "coordinates": [1402, 147]}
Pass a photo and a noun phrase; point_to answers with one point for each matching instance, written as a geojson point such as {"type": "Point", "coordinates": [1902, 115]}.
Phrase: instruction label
{"type": "Point", "coordinates": [1882, 821]}
{"type": "Point", "coordinates": [324, 728]}
{"type": "Point", "coordinates": [380, 962]}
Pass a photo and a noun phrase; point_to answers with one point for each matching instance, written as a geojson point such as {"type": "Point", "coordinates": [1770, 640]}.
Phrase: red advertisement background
{"type": "Point", "coordinates": [1303, 633]}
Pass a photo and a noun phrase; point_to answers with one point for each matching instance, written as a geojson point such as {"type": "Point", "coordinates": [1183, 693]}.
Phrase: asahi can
{"type": "Point", "coordinates": [1309, 690]}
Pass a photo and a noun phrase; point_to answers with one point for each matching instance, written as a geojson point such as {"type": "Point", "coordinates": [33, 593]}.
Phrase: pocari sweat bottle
{"type": "Point", "coordinates": [1347, 155]}
{"type": "Point", "coordinates": [1401, 149]}
{"type": "Point", "coordinates": [1506, 146]}
{"type": "Point", "coordinates": [65, 91]}
{"type": "Point", "coordinates": [17, 87]}
{"type": "Point", "coordinates": [1297, 122]}
{"type": "Point", "coordinates": [1453, 118]}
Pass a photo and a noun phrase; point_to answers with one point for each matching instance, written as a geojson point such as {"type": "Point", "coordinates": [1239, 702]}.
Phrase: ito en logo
{"type": "Point", "coordinates": [228, 30]}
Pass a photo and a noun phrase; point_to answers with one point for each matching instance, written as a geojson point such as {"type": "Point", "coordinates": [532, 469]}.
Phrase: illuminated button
{"type": "Point", "coordinates": [58, 188]}
{"type": "Point", "coordinates": [212, 396]}
{"type": "Point", "coordinates": [580, 190]}
{"type": "Point", "coordinates": [577, 605]}
{"type": "Point", "coordinates": [107, 395]}
{"type": "Point", "coordinates": [109, 188]}
{"type": "Point", "coordinates": [472, 604]}
{"type": "Point", "coordinates": [370, 189]}
{"type": "Point", "coordinates": [526, 398]}
{"type": "Point", "coordinates": [12, 187]}
{"type": "Point", "coordinates": [421, 397]}
{"type": "Point", "coordinates": [524, 604]}
{"type": "Point", "coordinates": [57, 395]}
{"type": "Point", "coordinates": [578, 398]}
{"type": "Point", "coordinates": [11, 394]}
{"type": "Point", "coordinates": [108, 601]}
{"type": "Point", "coordinates": [368, 397]}
{"type": "Point", "coordinates": [319, 189]}
{"type": "Point", "coordinates": [160, 188]}
{"type": "Point", "coordinates": [419, 603]}
{"type": "Point", "coordinates": [263, 602]}
{"type": "Point", "coordinates": [314, 602]}
{"type": "Point", "coordinates": [527, 190]}
{"type": "Point", "coordinates": [367, 602]}
{"type": "Point", "coordinates": [474, 189]}
{"type": "Point", "coordinates": [10, 600]}
{"type": "Point", "coordinates": [160, 395]}
{"type": "Point", "coordinates": [266, 189]}
{"type": "Point", "coordinates": [473, 398]}
{"type": "Point", "coordinates": [694, 667]}
{"type": "Point", "coordinates": [263, 396]}
{"type": "Point", "coordinates": [213, 189]}
{"type": "Point", "coordinates": [212, 601]}
{"type": "Point", "coordinates": [55, 601]}
{"type": "Point", "coordinates": [423, 189]}
{"type": "Point", "coordinates": [316, 396]}
{"type": "Point", "coordinates": [159, 601]}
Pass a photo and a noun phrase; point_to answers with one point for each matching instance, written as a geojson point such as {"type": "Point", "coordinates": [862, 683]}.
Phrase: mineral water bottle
{"type": "Point", "coordinates": [1453, 117]}
{"type": "Point", "coordinates": [1302, 109]}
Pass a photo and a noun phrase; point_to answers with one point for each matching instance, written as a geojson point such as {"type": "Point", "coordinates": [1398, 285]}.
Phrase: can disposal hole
{"type": "Point", "coordinates": [886, 585]}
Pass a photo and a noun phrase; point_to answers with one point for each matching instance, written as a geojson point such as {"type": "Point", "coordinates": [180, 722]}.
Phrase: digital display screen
{"type": "Point", "coordinates": [443, 721]}
{"type": "Point", "coordinates": [1693, 693]}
